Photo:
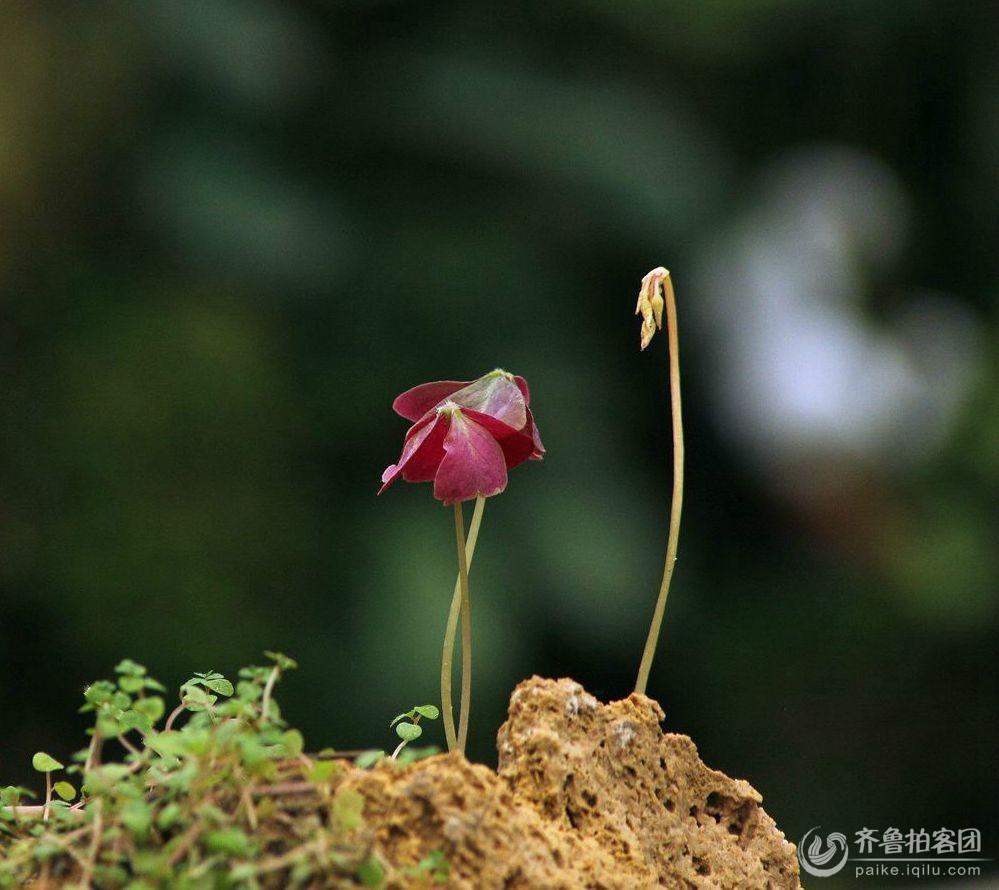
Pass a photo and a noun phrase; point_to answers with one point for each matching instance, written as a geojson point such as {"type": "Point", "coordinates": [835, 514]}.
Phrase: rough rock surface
{"type": "Point", "coordinates": [586, 796]}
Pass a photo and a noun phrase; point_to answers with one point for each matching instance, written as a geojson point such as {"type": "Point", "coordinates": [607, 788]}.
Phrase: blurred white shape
{"type": "Point", "coordinates": [800, 371]}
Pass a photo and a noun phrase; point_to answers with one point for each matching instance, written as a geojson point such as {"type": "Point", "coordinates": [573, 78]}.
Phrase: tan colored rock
{"type": "Point", "coordinates": [587, 797]}
{"type": "Point", "coordinates": [608, 773]}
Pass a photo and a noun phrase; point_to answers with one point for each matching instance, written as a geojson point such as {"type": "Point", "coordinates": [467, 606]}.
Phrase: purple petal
{"type": "Point", "coordinates": [422, 452]}
{"type": "Point", "coordinates": [517, 445]}
{"type": "Point", "coordinates": [524, 389]}
{"type": "Point", "coordinates": [416, 402]}
{"type": "Point", "coordinates": [532, 428]}
{"type": "Point", "coordinates": [498, 396]}
{"type": "Point", "coordinates": [473, 463]}
{"type": "Point", "coordinates": [422, 464]}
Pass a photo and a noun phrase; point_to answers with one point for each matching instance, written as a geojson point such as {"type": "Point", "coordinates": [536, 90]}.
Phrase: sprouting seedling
{"type": "Point", "coordinates": [45, 763]}
{"type": "Point", "coordinates": [650, 306]}
{"type": "Point", "coordinates": [464, 438]}
{"type": "Point", "coordinates": [434, 866]}
{"type": "Point", "coordinates": [407, 725]}
{"type": "Point", "coordinates": [282, 663]}
{"type": "Point", "coordinates": [200, 693]}
{"type": "Point", "coordinates": [132, 704]}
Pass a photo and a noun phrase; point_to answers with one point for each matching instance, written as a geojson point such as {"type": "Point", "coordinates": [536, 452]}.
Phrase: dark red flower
{"type": "Point", "coordinates": [465, 435]}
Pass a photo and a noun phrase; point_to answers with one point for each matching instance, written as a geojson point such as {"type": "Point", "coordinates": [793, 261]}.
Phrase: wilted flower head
{"type": "Point", "coordinates": [650, 303]}
{"type": "Point", "coordinates": [465, 435]}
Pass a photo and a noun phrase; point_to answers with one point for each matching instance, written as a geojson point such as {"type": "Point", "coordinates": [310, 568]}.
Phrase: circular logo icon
{"type": "Point", "coordinates": [816, 856]}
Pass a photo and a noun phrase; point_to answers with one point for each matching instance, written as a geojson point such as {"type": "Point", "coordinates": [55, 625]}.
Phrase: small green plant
{"type": "Point", "coordinates": [407, 725]}
{"type": "Point", "coordinates": [217, 793]}
{"type": "Point", "coordinates": [45, 763]}
{"type": "Point", "coordinates": [433, 866]}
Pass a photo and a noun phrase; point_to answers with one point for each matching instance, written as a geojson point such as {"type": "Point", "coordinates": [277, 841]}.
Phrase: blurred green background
{"type": "Point", "coordinates": [232, 232]}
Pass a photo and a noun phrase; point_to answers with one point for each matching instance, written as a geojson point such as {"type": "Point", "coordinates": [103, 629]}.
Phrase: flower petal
{"type": "Point", "coordinates": [425, 458]}
{"type": "Point", "coordinates": [416, 402]}
{"type": "Point", "coordinates": [532, 428]}
{"type": "Point", "coordinates": [524, 388]}
{"type": "Point", "coordinates": [473, 463]}
{"type": "Point", "coordinates": [517, 445]}
{"type": "Point", "coordinates": [497, 395]}
{"type": "Point", "coordinates": [422, 452]}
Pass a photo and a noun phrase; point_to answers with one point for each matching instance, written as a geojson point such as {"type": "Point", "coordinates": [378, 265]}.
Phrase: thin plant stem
{"type": "Point", "coordinates": [265, 700]}
{"type": "Point", "coordinates": [97, 834]}
{"type": "Point", "coordinates": [174, 714]}
{"type": "Point", "coordinates": [447, 704]}
{"type": "Point", "coordinates": [36, 810]}
{"type": "Point", "coordinates": [466, 630]}
{"type": "Point", "coordinates": [48, 796]}
{"type": "Point", "coordinates": [93, 752]}
{"type": "Point", "coordinates": [677, 505]}
{"type": "Point", "coordinates": [404, 742]}
{"type": "Point", "coordinates": [128, 746]}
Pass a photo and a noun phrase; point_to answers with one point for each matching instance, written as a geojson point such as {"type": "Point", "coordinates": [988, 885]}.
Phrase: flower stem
{"type": "Point", "coordinates": [677, 504]}
{"type": "Point", "coordinates": [466, 630]}
{"type": "Point", "coordinates": [447, 705]}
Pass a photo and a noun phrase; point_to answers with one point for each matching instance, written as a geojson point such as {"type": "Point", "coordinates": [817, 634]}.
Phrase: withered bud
{"type": "Point", "coordinates": [650, 303]}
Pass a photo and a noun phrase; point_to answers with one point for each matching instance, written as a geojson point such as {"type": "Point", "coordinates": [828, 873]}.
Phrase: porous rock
{"type": "Point", "coordinates": [586, 797]}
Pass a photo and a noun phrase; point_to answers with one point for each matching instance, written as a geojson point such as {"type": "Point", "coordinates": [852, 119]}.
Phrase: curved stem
{"type": "Point", "coordinates": [265, 699]}
{"type": "Point", "coordinates": [677, 505]}
{"type": "Point", "coordinates": [447, 704]}
{"type": "Point", "coordinates": [466, 630]}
